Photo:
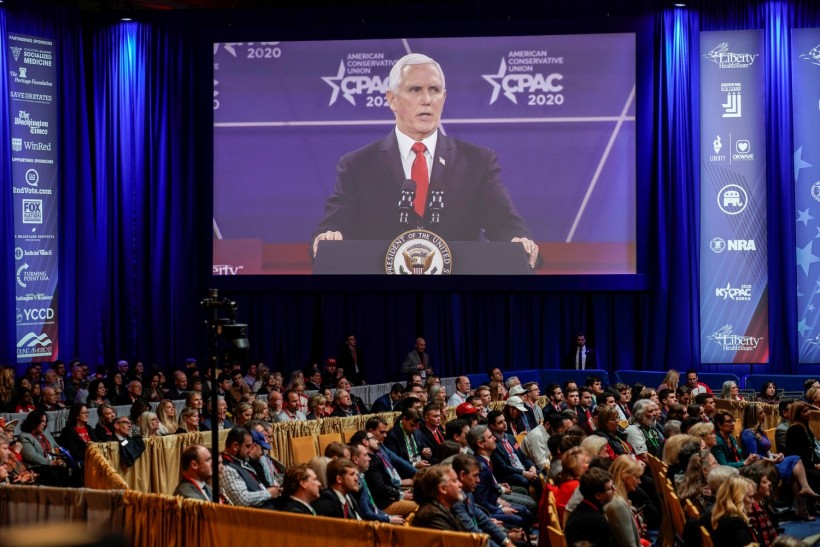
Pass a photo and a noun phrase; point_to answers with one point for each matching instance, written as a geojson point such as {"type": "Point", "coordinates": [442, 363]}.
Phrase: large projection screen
{"type": "Point", "coordinates": [558, 111]}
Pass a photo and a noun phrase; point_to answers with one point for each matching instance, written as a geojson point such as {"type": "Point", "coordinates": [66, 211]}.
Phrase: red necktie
{"type": "Point", "coordinates": [346, 509]}
{"type": "Point", "coordinates": [418, 172]}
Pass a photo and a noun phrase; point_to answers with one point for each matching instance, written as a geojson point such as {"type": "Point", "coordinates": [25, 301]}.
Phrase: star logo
{"type": "Point", "coordinates": [332, 82]}
{"type": "Point", "coordinates": [491, 79]}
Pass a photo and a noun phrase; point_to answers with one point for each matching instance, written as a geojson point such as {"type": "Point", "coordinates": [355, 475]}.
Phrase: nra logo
{"type": "Point", "coordinates": [718, 245]}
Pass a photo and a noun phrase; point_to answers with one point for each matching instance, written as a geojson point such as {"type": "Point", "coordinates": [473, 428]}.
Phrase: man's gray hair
{"type": "Point", "coordinates": [397, 72]}
{"type": "Point", "coordinates": [475, 434]}
{"type": "Point", "coordinates": [640, 408]}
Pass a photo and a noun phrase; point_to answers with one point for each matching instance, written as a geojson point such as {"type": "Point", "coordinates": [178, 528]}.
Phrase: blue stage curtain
{"type": "Point", "coordinates": [145, 198]}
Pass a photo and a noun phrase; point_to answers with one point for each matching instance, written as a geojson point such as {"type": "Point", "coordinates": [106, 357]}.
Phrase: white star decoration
{"type": "Point", "coordinates": [805, 259]}
{"type": "Point", "coordinates": [799, 163]}
{"type": "Point", "coordinates": [804, 217]}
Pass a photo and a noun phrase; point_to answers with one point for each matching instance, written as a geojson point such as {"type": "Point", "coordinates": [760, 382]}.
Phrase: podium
{"type": "Point", "coordinates": [469, 257]}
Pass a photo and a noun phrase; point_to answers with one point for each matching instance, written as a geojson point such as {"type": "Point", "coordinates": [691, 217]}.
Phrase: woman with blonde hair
{"type": "Point", "coordinates": [706, 431]}
{"type": "Point", "coordinates": [730, 515]}
{"type": "Point", "coordinates": [148, 424]}
{"type": "Point", "coordinates": [626, 474]}
{"type": "Point", "coordinates": [243, 414]}
{"type": "Point", "coordinates": [188, 420]}
{"type": "Point", "coordinates": [670, 381]}
{"type": "Point", "coordinates": [695, 486]}
{"type": "Point", "coordinates": [317, 406]}
{"type": "Point", "coordinates": [595, 445]}
{"type": "Point", "coordinates": [260, 411]}
{"type": "Point", "coordinates": [167, 414]}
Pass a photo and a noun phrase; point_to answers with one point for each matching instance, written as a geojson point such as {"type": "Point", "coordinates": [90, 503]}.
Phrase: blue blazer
{"type": "Point", "coordinates": [502, 464]}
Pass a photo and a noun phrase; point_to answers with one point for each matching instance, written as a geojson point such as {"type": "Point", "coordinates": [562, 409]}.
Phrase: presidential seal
{"type": "Point", "coordinates": [418, 252]}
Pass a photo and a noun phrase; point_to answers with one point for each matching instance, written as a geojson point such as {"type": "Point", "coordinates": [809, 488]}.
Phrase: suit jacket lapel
{"type": "Point", "coordinates": [443, 160]}
{"type": "Point", "coordinates": [391, 159]}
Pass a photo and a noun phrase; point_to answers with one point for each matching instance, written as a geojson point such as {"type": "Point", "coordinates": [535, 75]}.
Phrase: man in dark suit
{"type": "Point", "coordinates": [196, 465]}
{"type": "Point", "coordinates": [441, 491]}
{"type": "Point", "coordinates": [581, 356]}
{"type": "Point", "coordinates": [300, 489]}
{"type": "Point", "coordinates": [488, 491]}
{"type": "Point", "coordinates": [369, 180]}
{"type": "Point", "coordinates": [385, 402]}
{"type": "Point", "coordinates": [338, 500]}
{"type": "Point", "coordinates": [349, 357]}
{"type": "Point", "coordinates": [474, 518]}
{"type": "Point", "coordinates": [405, 439]}
{"type": "Point", "coordinates": [510, 464]}
{"type": "Point", "coordinates": [432, 435]}
{"type": "Point", "coordinates": [587, 521]}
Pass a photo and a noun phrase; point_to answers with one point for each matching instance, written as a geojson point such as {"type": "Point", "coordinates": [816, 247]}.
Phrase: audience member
{"type": "Point", "coordinates": [104, 431]}
{"type": "Point", "coordinates": [196, 471]}
{"type": "Point", "coordinates": [417, 360]}
{"type": "Point", "coordinates": [768, 394]}
{"type": "Point", "coordinates": [587, 522]}
{"type": "Point", "coordinates": [626, 476]}
{"type": "Point", "coordinates": [338, 499]}
{"type": "Point", "coordinates": [240, 483]}
{"type": "Point", "coordinates": [40, 451]}
{"type": "Point", "coordinates": [441, 491]}
{"type": "Point", "coordinates": [77, 434]}
{"type": "Point", "coordinates": [730, 515]}
{"type": "Point", "coordinates": [221, 419]}
{"type": "Point", "coordinates": [696, 387]}
{"type": "Point", "coordinates": [167, 414]}
{"type": "Point", "coordinates": [405, 440]}
{"type": "Point", "coordinates": [300, 489]}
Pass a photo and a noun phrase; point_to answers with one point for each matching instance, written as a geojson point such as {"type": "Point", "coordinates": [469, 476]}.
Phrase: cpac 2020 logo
{"type": "Point", "coordinates": [364, 74]}
{"type": "Point", "coordinates": [517, 76]}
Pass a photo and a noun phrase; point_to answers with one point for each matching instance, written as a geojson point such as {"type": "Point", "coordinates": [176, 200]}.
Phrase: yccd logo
{"type": "Point", "coordinates": [40, 314]}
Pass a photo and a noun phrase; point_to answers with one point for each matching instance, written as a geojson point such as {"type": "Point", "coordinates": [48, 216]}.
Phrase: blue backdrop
{"type": "Point", "coordinates": [136, 212]}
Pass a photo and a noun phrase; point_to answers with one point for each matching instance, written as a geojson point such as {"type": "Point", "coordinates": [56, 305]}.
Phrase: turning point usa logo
{"type": "Point", "coordinates": [723, 58]}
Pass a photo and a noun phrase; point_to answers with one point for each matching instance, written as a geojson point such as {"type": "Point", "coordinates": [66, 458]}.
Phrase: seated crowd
{"type": "Point", "coordinates": [492, 469]}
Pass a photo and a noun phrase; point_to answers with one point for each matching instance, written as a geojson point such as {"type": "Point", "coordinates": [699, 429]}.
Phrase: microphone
{"type": "Point", "coordinates": [436, 204]}
{"type": "Point", "coordinates": [405, 207]}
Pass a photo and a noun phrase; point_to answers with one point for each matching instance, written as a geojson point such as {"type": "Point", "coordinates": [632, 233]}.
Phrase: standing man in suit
{"type": "Point", "coordinates": [581, 356]}
{"type": "Point", "coordinates": [417, 361]}
{"type": "Point", "coordinates": [369, 180]}
{"type": "Point", "coordinates": [338, 500]}
{"type": "Point", "coordinates": [350, 358]}
{"type": "Point", "coordinates": [196, 464]}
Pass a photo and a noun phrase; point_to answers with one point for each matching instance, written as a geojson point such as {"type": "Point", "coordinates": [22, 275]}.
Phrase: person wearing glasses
{"type": "Point", "coordinates": [587, 522]}
{"type": "Point", "coordinates": [40, 450]}
{"type": "Point", "coordinates": [728, 451]}
{"type": "Point", "coordinates": [77, 433]}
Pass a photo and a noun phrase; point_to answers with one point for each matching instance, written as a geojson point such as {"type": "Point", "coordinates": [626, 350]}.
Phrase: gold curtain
{"type": "Point", "coordinates": [151, 519]}
{"type": "Point", "coordinates": [737, 408]}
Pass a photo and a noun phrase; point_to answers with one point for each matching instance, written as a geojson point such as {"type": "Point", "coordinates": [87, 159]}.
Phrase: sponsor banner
{"type": "Point", "coordinates": [805, 63]}
{"type": "Point", "coordinates": [734, 309]}
{"type": "Point", "coordinates": [32, 77]}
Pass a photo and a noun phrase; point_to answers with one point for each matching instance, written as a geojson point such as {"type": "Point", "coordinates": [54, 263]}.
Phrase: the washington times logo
{"type": "Point", "coordinates": [517, 76]}
{"type": "Point", "coordinates": [733, 107]}
{"type": "Point", "coordinates": [364, 74]}
{"type": "Point", "coordinates": [723, 58]}
{"type": "Point", "coordinates": [738, 294]}
{"type": "Point", "coordinates": [734, 342]}
{"type": "Point", "coordinates": [15, 52]}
